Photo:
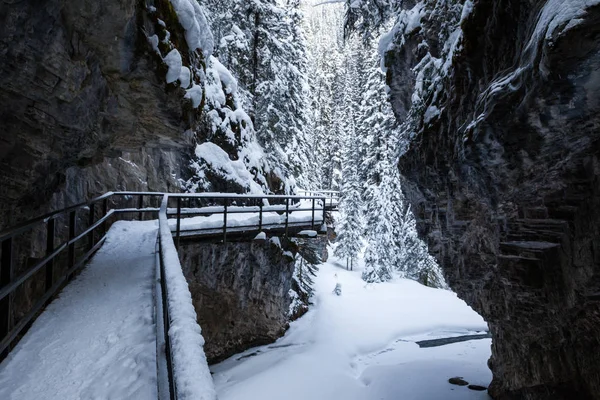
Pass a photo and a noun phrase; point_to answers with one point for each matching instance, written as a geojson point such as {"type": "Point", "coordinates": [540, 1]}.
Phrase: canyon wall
{"type": "Point", "coordinates": [245, 291]}
{"type": "Point", "coordinates": [504, 178]}
{"type": "Point", "coordinates": [84, 106]}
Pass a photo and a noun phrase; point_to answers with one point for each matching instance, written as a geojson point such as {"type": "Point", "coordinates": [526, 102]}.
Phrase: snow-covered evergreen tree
{"type": "Point", "coordinates": [349, 227]}
{"type": "Point", "coordinates": [381, 191]}
{"type": "Point", "coordinates": [367, 16]}
{"type": "Point", "coordinates": [417, 263]}
{"type": "Point", "coordinates": [263, 43]}
{"type": "Point", "coordinates": [394, 248]}
{"type": "Point", "coordinates": [302, 287]}
{"type": "Point", "coordinates": [384, 257]}
{"type": "Point", "coordinates": [326, 47]}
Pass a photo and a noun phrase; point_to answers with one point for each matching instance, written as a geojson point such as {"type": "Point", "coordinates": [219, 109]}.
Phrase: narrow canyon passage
{"type": "Point", "coordinates": [461, 139]}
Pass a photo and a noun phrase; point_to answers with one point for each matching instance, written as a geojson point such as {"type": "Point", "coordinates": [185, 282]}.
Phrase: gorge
{"type": "Point", "coordinates": [487, 111]}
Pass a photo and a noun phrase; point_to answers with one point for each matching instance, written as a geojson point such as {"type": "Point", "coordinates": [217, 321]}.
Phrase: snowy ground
{"type": "Point", "coordinates": [360, 346]}
{"type": "Point", "coordinates": [97, 340]}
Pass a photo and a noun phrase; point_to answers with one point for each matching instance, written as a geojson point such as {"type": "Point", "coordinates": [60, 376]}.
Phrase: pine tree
{"type": "Point", "coordinates": [327, 86]}
{"type": "Point", "coordinates": [394, 247]}
{"type": "Point", "coordinates": [383, 257]}
{"type": "Point", "coordinates": [416, 262]}
{"type": "Point", "coordinates": [263, 43]}
{"type": "Point", "coordinates": [302, 287]}
{"type": "Point", "coordinates": [382, 194]}
{"type": "Point", "coordinates": [350, 224]}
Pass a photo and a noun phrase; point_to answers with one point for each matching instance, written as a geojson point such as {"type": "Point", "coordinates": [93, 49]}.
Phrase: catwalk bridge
{"type": "Point", "coordinates": [125, 327]}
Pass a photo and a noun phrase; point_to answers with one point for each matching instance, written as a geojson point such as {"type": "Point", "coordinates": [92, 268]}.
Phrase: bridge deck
{"type": "Point", "coordinates": [97, 340]}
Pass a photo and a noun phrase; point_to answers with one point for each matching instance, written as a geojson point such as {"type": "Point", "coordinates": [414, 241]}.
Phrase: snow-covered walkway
{"type": "Point", "coordinates": [361, 346]}
{"type": "Point", "coordinates": [97, 340]}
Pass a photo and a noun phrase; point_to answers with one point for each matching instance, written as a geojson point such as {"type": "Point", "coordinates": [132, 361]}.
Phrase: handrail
{"type": "Point", "coordinates": [10, 329]}
{"type": "Point", "coordinates": [318, 191]}
{"type": "Point", "coordinates": [23, 226]}
{"type": "Point", "coordinates": [241, 196]}
{"type": "Point", "coordinates": [189, 377]}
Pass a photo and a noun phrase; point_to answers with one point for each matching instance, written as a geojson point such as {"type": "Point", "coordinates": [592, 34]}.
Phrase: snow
{"type": "Point", "coordinates": [197, 32]}
{"type": "Point", "coordinates": [452, 46]}
{"type": "Point", "coordinates": [228, 81]}
{"type": "Point", "coordinates": [360, 346]}
{"type": "Point", "coordinates": [275, 240]}
{"type": "Point", "coordinates": [308, 233]}
{"type": "Point", "coordinates": [557, 13]}
{"type": "Point", "coordinates": [192, 377]}
{"type": "Point", "coordinates": [261, 236]}
{"type": "Point", "coordinates": [554, 14]}
{"type": "Point", "coordinates": [218, 160]}
{"type": "Point", "coordinates": [408, 22]}
{"type": "Point", "coordinates": [195, 94]}
{"type": "Point", "coordinates": [154, 40]}
{"type": "Point", "coordinates": [220, 82]}
{"type": "Point", "coordinates": [431, 113]}
{"type": "Point", "coordinates": [572, 24]}
{"type": "Point", "coordinates": [174, 62]}
{"type": "Point", "coordinates": [466, 11]}
{"type": "Point", "coordinates": [97, 340]}
{"type": "Point", "coordinates": [185, 77]}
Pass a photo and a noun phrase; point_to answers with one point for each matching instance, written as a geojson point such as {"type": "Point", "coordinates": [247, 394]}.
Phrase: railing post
{"type": "Point", "coordinates": [104, 212]}
{"type": "Point", "coordinates": [324, 209]}
{"type": "Point", "coordinates": [90, 223]}
{"type": "Point", "coordinates": [49, 249]}
{"type": "Point", "coordinates": [312, 221]}
{"type": "Point", "coordinates": [178, 233]}
{"type": "Point", "coordinates": [260, 214]}
{"type": "Point", "coordinates": [71, 252]}
{"type": "Point", "coordinates": [140, 206]}
{"type": "Point", "coordinates": [225, 223]}
{"type": "Point", "coordinates": [287, 215]}
{"type": "Point", "coordinates": [5, 278]}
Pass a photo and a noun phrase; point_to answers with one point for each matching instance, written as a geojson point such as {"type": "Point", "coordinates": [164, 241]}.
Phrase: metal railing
{"type": "Point", "coordinates": [75, 248]}
{"type": "Point", "coordinates": [228, 204]}
{"type": "Point", "coordinates": [332, 197]}
{"type": "Point", "coordinates": [81, 230]}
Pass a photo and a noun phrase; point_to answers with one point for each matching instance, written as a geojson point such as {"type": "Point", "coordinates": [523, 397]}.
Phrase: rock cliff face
{"type": "Point", "coordinates": [505, 183]}
{"type": "Point", "coordinates": [83, 105]}
{"type": "Point", "coordinates": [240, 291]}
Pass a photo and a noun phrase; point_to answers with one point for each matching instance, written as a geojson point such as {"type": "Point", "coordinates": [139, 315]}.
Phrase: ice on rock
{"type": "Point", "coordinates": [308, 233]}
{"type": "Point", "coordinates": [275, 240]}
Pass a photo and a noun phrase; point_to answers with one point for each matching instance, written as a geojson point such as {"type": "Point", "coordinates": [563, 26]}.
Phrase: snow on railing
{"type": "Point", "coordinates": [332, 197]}
{"type": "Point", "coordinates": [191, 377]}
